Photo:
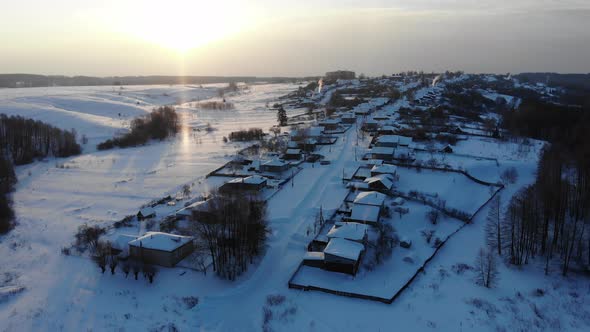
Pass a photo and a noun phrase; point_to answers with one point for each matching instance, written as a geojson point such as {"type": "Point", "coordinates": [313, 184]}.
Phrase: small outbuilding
{"type": "Point", "coordinates": [162, 249]}
{"type": "Point", "coordinates": [146, 213]}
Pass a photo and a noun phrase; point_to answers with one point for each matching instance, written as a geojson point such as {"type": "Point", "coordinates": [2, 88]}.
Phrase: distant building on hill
{"type": "Point", "coordinates": [340, 75]}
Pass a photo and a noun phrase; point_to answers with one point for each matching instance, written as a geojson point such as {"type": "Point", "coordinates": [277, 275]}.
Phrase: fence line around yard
{"type": "Point", "coordinates": [293, 285]}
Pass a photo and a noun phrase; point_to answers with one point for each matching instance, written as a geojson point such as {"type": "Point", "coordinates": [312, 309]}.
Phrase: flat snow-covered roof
{"type": "Point", "coordinates": [160, 241]}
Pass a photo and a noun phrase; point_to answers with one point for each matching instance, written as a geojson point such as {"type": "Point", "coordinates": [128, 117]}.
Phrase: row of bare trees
{"type": "Point", "coordinates": [233, 230]}
{"type": "Point", "coordinates": [25, 140]}
{"type": "Point", "coordinates": [550, 218]}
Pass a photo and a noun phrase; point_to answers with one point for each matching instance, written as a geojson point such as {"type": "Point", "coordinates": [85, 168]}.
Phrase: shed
{"type": "Point", "coordinates": [146, 213]}
{"type": "Point", "coordinates": [162, 249]}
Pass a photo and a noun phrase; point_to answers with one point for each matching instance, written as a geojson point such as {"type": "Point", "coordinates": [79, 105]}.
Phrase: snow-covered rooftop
{"type": "Point", "coordinates": [254, 179]}
{"type": "Point", "coordinates": [293, 151]}
{"type": "Point", "coordinates": [382, 150]}
{"type": "Point", "coordinates": [274, 162]}
{"type": "Point", "coordinates": [368, 213]}
{"type": "Point", "coordinates": [348, 230]}
{"type": "Point", "coordinates": [160, 241]}
{"type": "Point", "coordinates": [314, 256]}
{"type": "Point", "coordinates": [344, 248]}
{"type": "Point", "coordinates": [147, 211]}
{"type": "Point", "coordinates": [385, 179]}
{"type": "Point", "coordinates": [384, 169]}
{"type": "Point", "coordinates": [370, 198]}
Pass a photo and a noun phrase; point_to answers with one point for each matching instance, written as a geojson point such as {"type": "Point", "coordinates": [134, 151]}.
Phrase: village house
{"type": "Point", "coordinates": [365, 214]}
{"type": "Point", "coordinates": [274, 166]}
{"type": "Point", "coordinates": [162, 249]}
{"type": "Point", "coordinates": [374, 198]}
{"type": "Point", "coordinates": [292, 154]}
{"type": "Point", "coordinates": [343, 256]}
{"type": "Point", "coordinates": [146, 213]}
{"type": "Point", "coordinates": [348, 118]}
{"type": "Point", "coordinates": [384, 169]}
{"type": "Point", "coordinates": [330, 124]}
{"type": "Point", "coordinates": [381, 182]}
{"type": "Point", "coordinates": [252, 184]}
{"type": "Point", "coordinates": [370, 125]}
{"type": "Point", "coordinates": [393, 141]}
{"type": "Point", "coordinates": [350, 231]}
{"type": "Point", "coordinates": [382, 153]}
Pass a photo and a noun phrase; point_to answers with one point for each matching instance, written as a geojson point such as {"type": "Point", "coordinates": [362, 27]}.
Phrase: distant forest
{"type": "Point", "coordinates": [21, 142]}
{"type": "Point", "coordinates": [27, 80]}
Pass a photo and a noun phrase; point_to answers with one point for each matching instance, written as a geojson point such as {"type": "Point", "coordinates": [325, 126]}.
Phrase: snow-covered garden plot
{"type": "Point", "coordinates": [385, 280]}
{"type": "Point", "coordinates": [456, 189]}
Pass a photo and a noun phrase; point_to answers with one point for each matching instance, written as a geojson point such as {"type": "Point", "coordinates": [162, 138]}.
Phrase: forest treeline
{"type": "Point", "coordinates": [551, 218]}
{"type": "Point", "coordinates": [161, 123]}
{"type": "Point", "coordinates": [7, 181]}
{"type": "Point", "coordinates": [21, 142]}
{"type": "Point", "coordinates": [26, 139]}
{"type": "Point", "coordinates": [251, 134]}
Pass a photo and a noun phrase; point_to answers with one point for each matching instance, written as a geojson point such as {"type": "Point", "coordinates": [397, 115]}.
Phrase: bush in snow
{"type": "Point", "coordinates": [510, 175]}
{"type": "Point", "coordinates": [433, 216]}
{"type": "Point", "coordinates": [87, 237]}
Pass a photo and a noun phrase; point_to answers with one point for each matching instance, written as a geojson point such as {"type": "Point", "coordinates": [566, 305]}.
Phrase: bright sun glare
{"type": "Point", "coordinates": [183, 25]}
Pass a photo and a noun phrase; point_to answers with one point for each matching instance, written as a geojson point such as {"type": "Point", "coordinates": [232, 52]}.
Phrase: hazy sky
{"type": "Point", "coordinates": [292, 38]}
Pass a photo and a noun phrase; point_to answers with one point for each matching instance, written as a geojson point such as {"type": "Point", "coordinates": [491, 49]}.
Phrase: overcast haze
{"type": "Point", "coordinates": [284, 38]}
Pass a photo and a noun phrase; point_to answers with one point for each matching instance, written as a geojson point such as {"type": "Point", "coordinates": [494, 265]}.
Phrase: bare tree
{"type": "Point", "coordinates": [433, 216]}
{"type": "Point", "coordinates": [486, 268]}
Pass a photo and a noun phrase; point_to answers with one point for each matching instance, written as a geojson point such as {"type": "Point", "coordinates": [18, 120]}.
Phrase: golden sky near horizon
{"type": "Point", "coordinates": [292, 38]}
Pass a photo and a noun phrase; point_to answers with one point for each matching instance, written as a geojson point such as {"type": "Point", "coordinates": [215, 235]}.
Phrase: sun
{"type": "Point", "coordinates": [182, 25]}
